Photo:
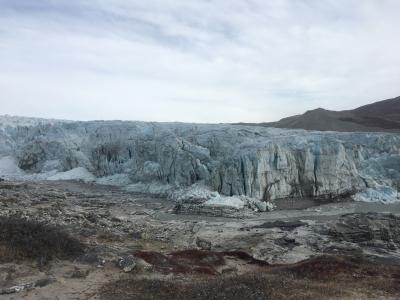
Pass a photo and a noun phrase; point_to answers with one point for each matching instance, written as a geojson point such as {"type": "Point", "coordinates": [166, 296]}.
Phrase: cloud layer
{"type": "Point", "coordinates": [195, 60]}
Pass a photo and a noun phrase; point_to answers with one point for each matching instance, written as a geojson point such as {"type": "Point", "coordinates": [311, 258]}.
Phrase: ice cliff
{"type": "Point", "coordinates": [261, 163]}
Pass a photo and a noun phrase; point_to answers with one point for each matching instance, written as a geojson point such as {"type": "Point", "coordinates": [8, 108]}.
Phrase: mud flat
{"type": "Point", "coordinates": [125, 245]}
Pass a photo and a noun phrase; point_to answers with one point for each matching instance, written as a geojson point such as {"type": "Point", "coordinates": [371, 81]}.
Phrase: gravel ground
{"type": "Point", "coordinates": [135, 238]}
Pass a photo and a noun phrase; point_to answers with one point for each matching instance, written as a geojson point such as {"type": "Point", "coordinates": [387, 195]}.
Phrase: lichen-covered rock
{"type": "Point", "coordinates": [127, 263]}
{"type": "Point", "coordinates": [260, 163]}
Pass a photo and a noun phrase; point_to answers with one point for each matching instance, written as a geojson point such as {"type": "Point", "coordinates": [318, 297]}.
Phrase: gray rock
{"type": "Point", "coordinates": [368, 230]}
{"type": "Point", "coordinates": [283, 225]}
{"type": "Point", "coordinates": [203, 244]}
{"type": "Point", "coordinates": [77, 273]}
{"type": "Point", "coordinates": [127, 263]}
{"type": "Point", "coordinates": [286, 242]}
{"type": "Point", "coordinates": [25, 286]}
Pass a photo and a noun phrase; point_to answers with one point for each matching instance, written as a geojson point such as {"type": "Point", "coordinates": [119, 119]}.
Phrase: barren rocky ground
{"type": "Point", "coordinates": [72, 240]}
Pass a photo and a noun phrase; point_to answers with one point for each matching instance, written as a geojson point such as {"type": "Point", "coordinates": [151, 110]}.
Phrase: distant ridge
{"type": "Point", "coordinates": [379, 116]}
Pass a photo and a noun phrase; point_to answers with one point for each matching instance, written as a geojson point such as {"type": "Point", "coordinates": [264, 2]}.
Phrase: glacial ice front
{"type": "Point", "coordinates": [256, 162]}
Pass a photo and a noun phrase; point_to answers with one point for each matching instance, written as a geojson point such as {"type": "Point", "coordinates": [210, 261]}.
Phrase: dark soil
{"type": "Point", "coordinates": [27, 239]}
{"type": "Point", "coordinates": [194, 261]}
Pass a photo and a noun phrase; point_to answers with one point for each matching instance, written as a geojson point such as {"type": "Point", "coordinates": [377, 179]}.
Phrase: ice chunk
{"type": "Point", "coordinates": [79, 173]}
{"type": "Point", "coordinates": [384, 194]}
{"type": "Point", "coordinates": [9, 167]}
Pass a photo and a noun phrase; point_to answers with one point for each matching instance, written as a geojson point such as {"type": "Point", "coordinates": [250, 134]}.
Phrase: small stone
{"type": "Point", "coordinates": [228, 270]}
{"type": "Point", "coordinates": [77, 273]}
{"type": "Point", "coordinates": [136, 235]}
{"type": "Point", "coordinates": [203, 244]}
{"type": "Point", "coordinates": [43, 282]}
{"type": "Point", "coordinates": [127, 263]}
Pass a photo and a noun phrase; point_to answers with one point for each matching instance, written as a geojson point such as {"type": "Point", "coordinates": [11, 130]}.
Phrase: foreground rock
{"type": "Point", "coordinates": [372, 230]}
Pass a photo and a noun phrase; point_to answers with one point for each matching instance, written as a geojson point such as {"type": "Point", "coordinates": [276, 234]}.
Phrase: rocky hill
{"type": "Point", "coordinates": [256, 162]}
{"type": "Point", "coordinates": [379, 116]}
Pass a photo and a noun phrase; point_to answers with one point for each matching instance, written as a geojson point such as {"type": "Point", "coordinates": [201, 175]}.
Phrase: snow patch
{"type": "Point", "coordinates": [235, 202]}
{"type": "Point", "coordinates": [153, 188]}
{"type": "Point", "coordinates": [116, 180]}
{"type": "Point", "coordinates": [74, 174]}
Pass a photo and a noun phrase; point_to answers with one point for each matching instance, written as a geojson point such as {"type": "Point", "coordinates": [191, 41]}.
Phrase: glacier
{"type": "Point", "coordinates": [260, 163]}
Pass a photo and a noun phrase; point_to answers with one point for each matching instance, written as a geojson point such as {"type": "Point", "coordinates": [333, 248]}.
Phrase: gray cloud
{"type": "Point", "coordinates": [202, 61]}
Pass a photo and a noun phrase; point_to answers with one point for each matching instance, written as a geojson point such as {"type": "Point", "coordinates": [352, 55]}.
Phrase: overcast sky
{"type": "Point", "coordinates": [195, 60]}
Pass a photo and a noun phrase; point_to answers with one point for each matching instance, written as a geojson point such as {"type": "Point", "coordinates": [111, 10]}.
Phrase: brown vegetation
{"type": "Point", "coordinates": [325, 277]}
{"type": "Point", "coordinates": [27, 239]}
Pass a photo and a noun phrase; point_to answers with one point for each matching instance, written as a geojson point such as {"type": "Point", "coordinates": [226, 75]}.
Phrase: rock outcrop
{"type": "Point", "coordinates": [261, 163]}
{"type": "Point", "coordinates": [380, 231]}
